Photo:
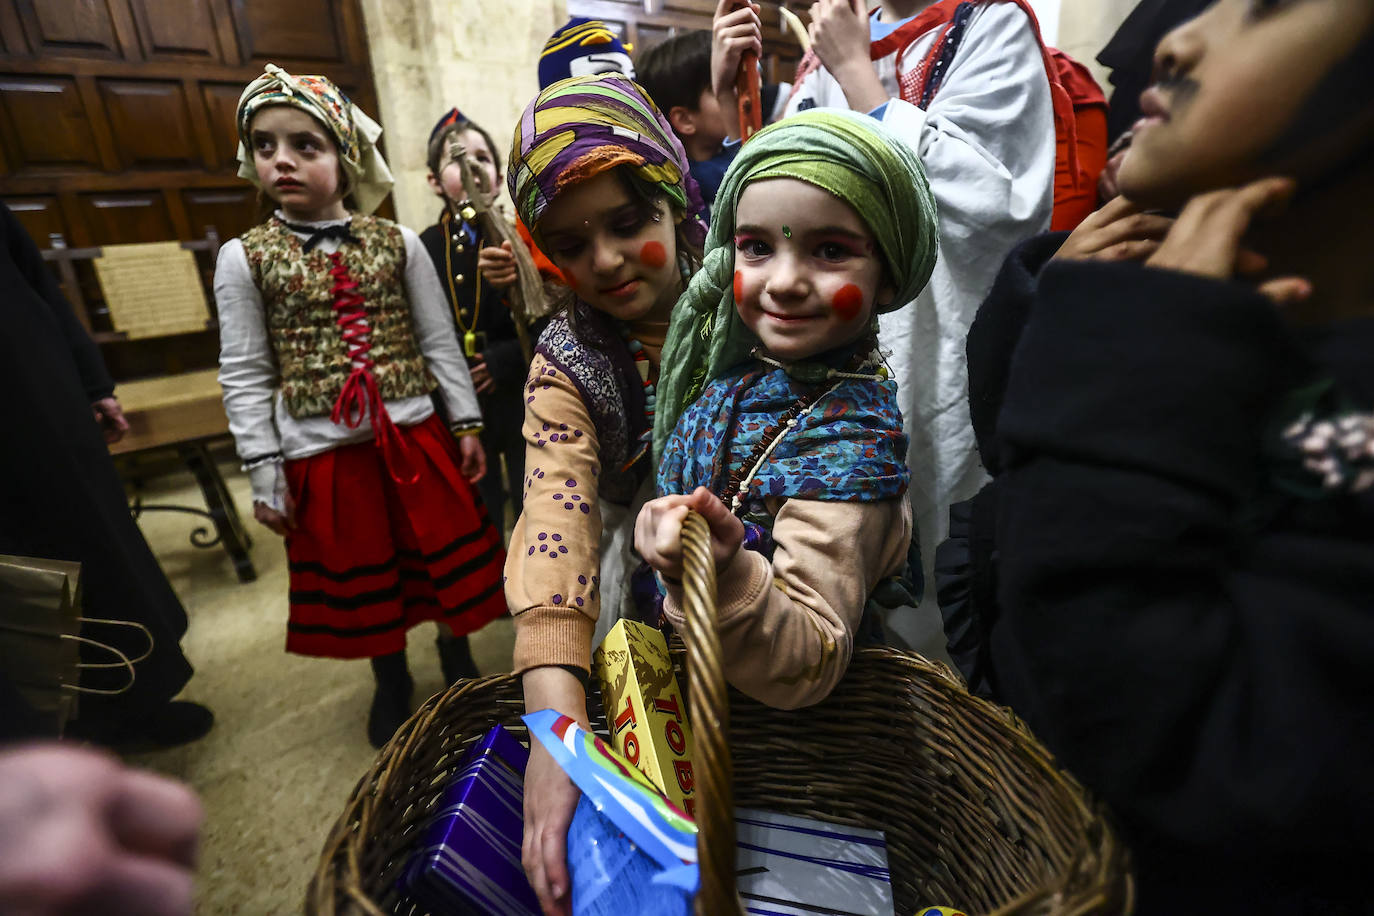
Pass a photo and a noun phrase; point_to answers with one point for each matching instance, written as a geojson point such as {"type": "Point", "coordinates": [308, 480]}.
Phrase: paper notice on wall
{"type": "Point", "coordinates": [152, 289]}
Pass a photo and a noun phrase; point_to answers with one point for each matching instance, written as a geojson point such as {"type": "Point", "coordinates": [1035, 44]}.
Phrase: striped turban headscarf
{"type": "Point", "coordinates": [366, 175]}
{"type": "Point", "coordinates": [853, 157]}
{"type": "Point", "coordinates": [578, 128]}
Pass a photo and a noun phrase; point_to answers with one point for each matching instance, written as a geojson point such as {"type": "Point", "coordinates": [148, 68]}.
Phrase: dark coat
{"type": "Point", "coordinates": [1188, 630]}
{"type": "Point", "coordinates": [502, 350]}
{"type": "Point", "coordinates": [62, 498]}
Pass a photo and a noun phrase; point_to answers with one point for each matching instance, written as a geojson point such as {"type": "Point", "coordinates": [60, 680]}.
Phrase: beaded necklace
{"type": "Point", "coordinates": [644, 367]}
{"type": "Point", "coordinates": [733, 488]}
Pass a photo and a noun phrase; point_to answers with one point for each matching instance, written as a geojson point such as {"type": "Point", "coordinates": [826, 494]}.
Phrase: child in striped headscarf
{"type": "Point", "coordinates": [778, 422]}
{"type": "Point", "coordinates": [602, 182]}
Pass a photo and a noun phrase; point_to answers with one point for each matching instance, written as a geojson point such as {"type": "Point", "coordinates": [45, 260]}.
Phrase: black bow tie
{"type": "Point", "coordinates": [320, 233]}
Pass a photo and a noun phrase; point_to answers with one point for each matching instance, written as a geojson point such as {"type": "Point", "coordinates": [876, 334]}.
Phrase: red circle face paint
{"type": "Point", "coordinates": [653, 255]}
{"type": "Point", "coordinates": [739, 287]}
{"type": "Point", "coordinates": [848, 302]}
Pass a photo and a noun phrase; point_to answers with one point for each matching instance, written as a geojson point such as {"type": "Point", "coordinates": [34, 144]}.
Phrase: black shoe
{"type": "Point", "coordinates": [391, 702]}
{"type": "Point", "coordinates": [455, 659]}
{"type": "Point", "coordinates": [179, 722]}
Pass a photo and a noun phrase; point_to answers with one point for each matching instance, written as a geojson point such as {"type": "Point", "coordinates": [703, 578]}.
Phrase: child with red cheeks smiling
{"type": "Point", "coordinates": [777, 420]}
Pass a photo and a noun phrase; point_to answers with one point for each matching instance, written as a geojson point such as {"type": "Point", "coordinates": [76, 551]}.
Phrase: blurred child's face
{"type": "Point", "coordinates": [617, 252]}
{"type": "Point", "coordinates": [807, 270]}
{"type": "Point", "coordinates": [709, 120]}
{"type": "Point", "coordinates": [297, 162]}
{"type": "Point", "coordinates": [1231, 83]}
{"type": "Point", "coordinates": [480, 158]}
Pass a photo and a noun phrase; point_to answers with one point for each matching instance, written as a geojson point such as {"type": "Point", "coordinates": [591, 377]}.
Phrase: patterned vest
{"type": "Point", "coordinates": [298, 295]}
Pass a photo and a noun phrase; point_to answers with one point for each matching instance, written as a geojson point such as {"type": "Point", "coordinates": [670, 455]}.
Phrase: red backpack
{"type": "Point", "coordinates": [1080, 108]}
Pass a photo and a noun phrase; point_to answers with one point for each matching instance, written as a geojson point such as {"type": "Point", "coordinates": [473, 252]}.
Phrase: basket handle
{"type": "Point", "coordinates": [710, 713]}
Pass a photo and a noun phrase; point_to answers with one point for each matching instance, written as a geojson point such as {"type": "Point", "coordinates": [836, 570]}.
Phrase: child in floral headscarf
{"type": "Point", "coordinates": [334, 331]}
{"type": "Point", "coordinates": [778, 421]}
{"type": "Point", "coordinates": [599, 177]}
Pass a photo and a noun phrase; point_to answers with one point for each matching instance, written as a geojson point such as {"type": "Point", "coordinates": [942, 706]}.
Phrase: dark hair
{"type": "Point", "coordinates": [435, 152]}
{"type": "Point", "coordinates": [677, 71]}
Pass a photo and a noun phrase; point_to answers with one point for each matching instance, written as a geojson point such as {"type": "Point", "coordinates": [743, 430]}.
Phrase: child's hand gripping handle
{"type": "Point", "coordinates": [710, 712]}
{"type": "Point", "coordinates": [747, 87]}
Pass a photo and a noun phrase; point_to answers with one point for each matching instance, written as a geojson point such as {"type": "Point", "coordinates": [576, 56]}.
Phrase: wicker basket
{"type": "Point", "coordinates": [975, 813]}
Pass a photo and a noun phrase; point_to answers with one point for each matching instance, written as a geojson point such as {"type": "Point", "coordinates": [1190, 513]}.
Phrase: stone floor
{"type": "Point", "coordinates": [288, 745]}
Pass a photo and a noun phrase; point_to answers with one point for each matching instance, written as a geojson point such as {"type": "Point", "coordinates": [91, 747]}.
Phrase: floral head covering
{"type": "Point", "coordinates": [578, 128]}
{"type": "Point", "coordinates": [366, 174]}
{"type": "Point", "coordinates": [853, 157]}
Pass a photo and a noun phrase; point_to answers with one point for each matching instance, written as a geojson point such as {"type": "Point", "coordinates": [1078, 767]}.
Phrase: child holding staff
{"type": "Point", "coordinates": [334, 331]}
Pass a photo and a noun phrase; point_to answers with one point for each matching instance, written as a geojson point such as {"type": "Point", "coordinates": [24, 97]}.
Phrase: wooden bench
{"type": "Point", "coordinates": [180, 413]}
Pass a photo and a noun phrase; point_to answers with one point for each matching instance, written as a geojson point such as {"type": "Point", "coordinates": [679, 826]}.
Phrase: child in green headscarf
{"type": "Point", "coordinates": [777, 420]}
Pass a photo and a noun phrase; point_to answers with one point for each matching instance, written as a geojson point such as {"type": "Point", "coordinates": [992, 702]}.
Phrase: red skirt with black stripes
{"type": "Point", "coordinates": [370, 557]}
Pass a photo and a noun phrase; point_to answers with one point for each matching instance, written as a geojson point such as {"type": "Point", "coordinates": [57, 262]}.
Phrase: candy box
{"type": "Point", "coordinates": [787, 864]}
{"type": "Point", "coordinates": [645, 709]}
{"type": "Point", "coordinates": [469, 864]}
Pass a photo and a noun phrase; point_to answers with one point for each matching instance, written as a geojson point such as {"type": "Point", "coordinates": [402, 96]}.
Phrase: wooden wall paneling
{"type": "Point", "coordinates": [12, 30]}
{"type": "Point", "coordinates": [78, 28]}
{"type": "Point", "coordinates": [210, 155]}
{"type": "Point", "coordinates": [150, 121]}
{"type": "Point", "coordinates": [231, 210]}
{"type": "Point", "coordinates": [221, 106]}
{"type": "Point", "coordinates": [304, 30]}
{"type": "Point", "coordinates": [177, 30]}
{"type": "Point", "coordinates": [100, 125]}
{"type": "Point", "coordinates": [125, 30]}
{"type": "Point", "coordinates": [176, 212]}
{"type": "Point", "coordinates": [116, 218]}
{"type": "Point", "coordinates": [40, 217]}
{"type": "Point", "coordinates": [224, 30]}
{"type": "Point", "coordinates": [117, 124]}
{"type": "Point", "coordinates": [45, 125]}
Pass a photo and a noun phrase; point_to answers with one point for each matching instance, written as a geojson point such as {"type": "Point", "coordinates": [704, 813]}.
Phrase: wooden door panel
{"type": "Point", "coordinates": [82, 28]}
{"type": "Point", "coordinates": [45, 125]}
{"type": "Point", "coordinates": [177, 30]}
{"type": "Point", "coordinates": [117, 124]}
{"type": "Point", "coordinates": [40, 217]}
{"type": "Point", "coordinates": [151, 124]}
{"type": "Point", "coordinates": [303, 30]}
{"type": "Point", "coordinates": [232, 211]}
{"type": "Point", "coordinates": [221, 106]}
{"type": "Point", "coordinates": [118, 218]}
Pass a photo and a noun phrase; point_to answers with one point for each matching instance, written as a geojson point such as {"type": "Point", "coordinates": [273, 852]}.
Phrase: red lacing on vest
{"type": "Point", "coordinates": [360, 397]}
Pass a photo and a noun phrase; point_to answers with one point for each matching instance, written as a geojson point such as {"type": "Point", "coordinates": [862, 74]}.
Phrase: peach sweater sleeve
{"type": "Point", "coordinates": [787, 626]}
{"type": "Point", "coordinates": [553, 562]}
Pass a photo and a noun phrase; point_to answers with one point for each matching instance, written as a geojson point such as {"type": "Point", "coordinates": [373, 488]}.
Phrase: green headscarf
{"type": "Point", "coordinates": [848, 154]}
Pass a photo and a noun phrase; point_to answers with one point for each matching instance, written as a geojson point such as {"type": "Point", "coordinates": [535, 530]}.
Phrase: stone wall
{"type": "Point", "coordinates": [1085, 26]}
{"type": "Point", "coordinates": [430, 55]}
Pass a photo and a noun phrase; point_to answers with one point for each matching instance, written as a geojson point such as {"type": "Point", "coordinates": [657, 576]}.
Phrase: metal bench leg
{"type": "Point", "coordinates": [220, 504]}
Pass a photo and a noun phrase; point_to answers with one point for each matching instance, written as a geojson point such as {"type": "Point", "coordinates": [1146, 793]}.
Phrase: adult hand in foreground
{"type": "Point", "coordinates": [82, 834]}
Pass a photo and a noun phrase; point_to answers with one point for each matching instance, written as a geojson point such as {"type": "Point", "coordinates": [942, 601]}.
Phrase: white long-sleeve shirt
{"type": "Point", "coordinates": [988, 145]}
{"type": "Point", "coordinates": [265, 434]}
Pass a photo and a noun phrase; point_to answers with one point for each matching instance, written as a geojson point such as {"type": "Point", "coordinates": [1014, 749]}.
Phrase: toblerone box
{"type": "Point", "coordinates": [645, 710]}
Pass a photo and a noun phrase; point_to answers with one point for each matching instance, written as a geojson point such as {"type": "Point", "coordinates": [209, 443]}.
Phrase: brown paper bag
{"type": "Point", "coordinates": [40, 603]}
{"type": "Point", "coordinates": [40, 620]}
